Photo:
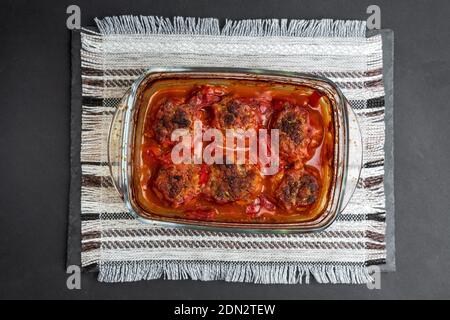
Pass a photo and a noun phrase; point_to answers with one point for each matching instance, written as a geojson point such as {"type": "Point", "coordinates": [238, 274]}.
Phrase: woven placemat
{"type": "Point", "coordinates": [123, 249]}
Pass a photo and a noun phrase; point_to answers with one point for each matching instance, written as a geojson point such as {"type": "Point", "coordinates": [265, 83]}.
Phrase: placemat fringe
{"type": "Point", "coordinates": [129, 24]}
{"type": "Point", "coordinates": [253, 272]}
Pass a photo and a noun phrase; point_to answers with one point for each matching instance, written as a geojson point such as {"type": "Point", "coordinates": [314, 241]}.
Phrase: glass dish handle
{"type": "Point", "coordinates": [115, 138]}
{"type": "Point", "coordinates": [355, 156]}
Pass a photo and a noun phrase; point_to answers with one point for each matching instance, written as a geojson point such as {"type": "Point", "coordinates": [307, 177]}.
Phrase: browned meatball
{"type": "Point", "coordinates": [171, 115]}
{"type": "Point", "coordinates": [298, 188]}
{"type": "Point", "coordinates": [295, 132]}
{"type": "Point", "coordinates": [178, 184]}
{"type": "Point", "coordinates": [230, 182]}
{"type": "Point", "coordinates": [236, 113]}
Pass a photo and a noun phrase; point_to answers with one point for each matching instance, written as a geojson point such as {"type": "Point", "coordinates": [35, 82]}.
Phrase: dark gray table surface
{"type": "Point", "coordinates": [35, 144]}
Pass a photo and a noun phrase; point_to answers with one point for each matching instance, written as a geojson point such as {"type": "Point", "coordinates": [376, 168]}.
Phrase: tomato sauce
{"type": "Point", "coordinates": [298, 192]}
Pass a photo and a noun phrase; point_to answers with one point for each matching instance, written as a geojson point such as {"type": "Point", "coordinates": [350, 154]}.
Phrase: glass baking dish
{"type": "Point", "coordinates": [124, 132]}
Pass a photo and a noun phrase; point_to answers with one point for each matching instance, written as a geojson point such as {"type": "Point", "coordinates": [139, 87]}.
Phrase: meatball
{"type": "Point", "coordinates": [298, 188]}
{"type": "Point", "coordinates": [172, 115]}
{"type": "Point", "coordinates": [295, 132]}
{"type": "Point", "coordinates": [178, 184]}
{"type": "Point", "coordinates": [236, 113]}
{"type": "Point", "coordinates": [231, 182]}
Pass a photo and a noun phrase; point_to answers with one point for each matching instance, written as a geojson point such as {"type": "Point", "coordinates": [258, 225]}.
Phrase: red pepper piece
{"type": "Point", "coordinates": [314, 98]}
{"type": "Point", "coordinates": [204, 175]}
{"type": "Point", "coordinates": [254, 207]}
{"type": "Point", "coordinates": [266, 204]}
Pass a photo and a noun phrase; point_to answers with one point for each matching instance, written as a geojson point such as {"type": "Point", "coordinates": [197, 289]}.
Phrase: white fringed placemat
{"type": "Point", "coordinates": [124, 249]}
